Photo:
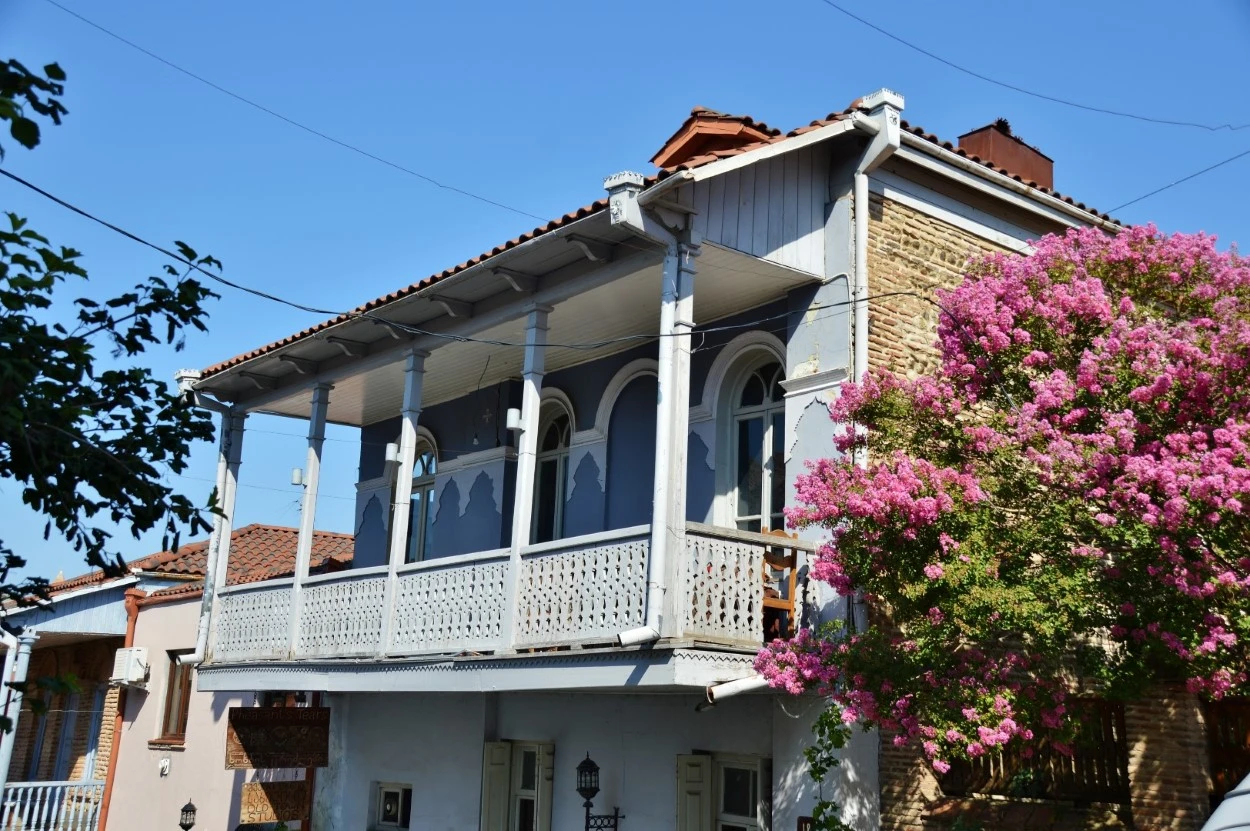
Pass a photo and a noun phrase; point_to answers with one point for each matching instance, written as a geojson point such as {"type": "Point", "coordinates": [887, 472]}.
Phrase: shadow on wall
{"type": "Point", "coordinates": [477, 528]}
{"type": "Point", "coordinates": [700, 480]}
{"type": "Point", "coordinates": [583, 512]}
{"type": "Point", "coordinates": [370, 545]}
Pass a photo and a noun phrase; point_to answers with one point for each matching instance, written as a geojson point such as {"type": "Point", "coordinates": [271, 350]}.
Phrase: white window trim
{"type": "Point", "coordinates": [725, 500]}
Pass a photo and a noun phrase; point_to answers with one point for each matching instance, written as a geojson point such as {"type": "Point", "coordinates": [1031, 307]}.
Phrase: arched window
{"type": "Point", "coordinates": [555, 429]}
{"type": "Point", "coordinates": [758, 450]}
{"type": "Point", "coordinates": [421, 504]}
{"type": "Point", "coordinates": [421, 513]}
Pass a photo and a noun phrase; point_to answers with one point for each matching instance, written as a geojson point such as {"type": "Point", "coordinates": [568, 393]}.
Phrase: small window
{"type": "Point", "coordinates": [177, 699]}
{"type": "Point", "coordinates": [517, 786]}
{"type": "Point", "coordinates": [723, 793]}
{"type": "Point", "coordinates": [394, 806]}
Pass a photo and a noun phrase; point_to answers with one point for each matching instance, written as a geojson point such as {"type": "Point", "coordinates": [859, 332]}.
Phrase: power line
{"type": "Point", "coordinates": [1179, 181]}
{"type": "Point", "coordinates": [292, 122]}
{"type": "Point", "coordinates": [415, 330]}
{"type": "Point", "coordinates": [1043, 96]}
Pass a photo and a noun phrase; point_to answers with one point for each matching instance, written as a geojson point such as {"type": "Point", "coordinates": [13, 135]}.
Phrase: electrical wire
{"type": "Point", "coordinates": [1181, 180]}
{"type": "Point", "coordinates": [292, 122]}
{"type": "Point", "coordinates": [408, 328]}
{"type": "Point", "coordinates": [1041, 95]}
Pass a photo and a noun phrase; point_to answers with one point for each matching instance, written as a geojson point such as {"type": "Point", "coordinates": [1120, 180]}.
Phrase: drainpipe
{"type": "Point", "coordinates": [228, 452]}
{"type": "Point", "coordinates": [719, 692]}
{"type": "Point", "coordinates": [17, 660]}
{"type": "Point", "coordinates": [624, 209]}
{"type": "Point", "coordinates": [884, 108]}
{"type": "Point", "coordinates": [133, 596]}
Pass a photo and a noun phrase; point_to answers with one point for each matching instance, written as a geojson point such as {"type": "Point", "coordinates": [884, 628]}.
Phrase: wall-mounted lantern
{"type": "Point", "coordinates": [187, 822]}
{"type": "Point", "coordinates": [588, 787]}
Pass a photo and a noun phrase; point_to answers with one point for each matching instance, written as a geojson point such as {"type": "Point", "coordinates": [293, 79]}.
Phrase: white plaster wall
{"type": "Point", "coordinates": [142, 799]}
{"type": "Point", "coordinates": [434, 743]}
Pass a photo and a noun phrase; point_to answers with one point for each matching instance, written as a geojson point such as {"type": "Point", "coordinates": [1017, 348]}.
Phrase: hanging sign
{"type": "Point", "coordinates": [277, 737]}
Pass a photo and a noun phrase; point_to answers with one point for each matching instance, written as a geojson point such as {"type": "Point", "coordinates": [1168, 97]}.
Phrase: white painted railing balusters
{"type": "Point", "coordinates": [52, 806]}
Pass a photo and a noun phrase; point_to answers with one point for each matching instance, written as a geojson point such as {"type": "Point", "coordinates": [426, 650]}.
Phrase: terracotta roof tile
{"type": "Point", "coordinates": [257, 552]}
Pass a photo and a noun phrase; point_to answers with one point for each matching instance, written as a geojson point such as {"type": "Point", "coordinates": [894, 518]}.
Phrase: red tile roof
{"type": "Point", "coordinates": [257, 552]}
{"type": "Point", "coordinates": [775, 136]}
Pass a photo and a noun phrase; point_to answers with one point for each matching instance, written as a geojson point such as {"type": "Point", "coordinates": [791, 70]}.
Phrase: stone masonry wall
{"type": "Point", "coordinates": [910, 252]}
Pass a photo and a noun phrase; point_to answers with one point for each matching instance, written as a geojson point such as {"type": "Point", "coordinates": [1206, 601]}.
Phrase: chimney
{"type": "Point", "coordinates": [995, 143]}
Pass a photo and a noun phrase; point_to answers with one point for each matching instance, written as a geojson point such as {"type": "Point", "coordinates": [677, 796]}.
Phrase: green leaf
{"type": "Point", "coordinates": [25, 131]}
{"type": "Point", "coordinates": [54, 72]}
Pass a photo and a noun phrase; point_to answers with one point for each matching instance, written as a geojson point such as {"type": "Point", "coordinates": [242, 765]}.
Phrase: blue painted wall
{"type": "Point", "coordinates": [631, 454]}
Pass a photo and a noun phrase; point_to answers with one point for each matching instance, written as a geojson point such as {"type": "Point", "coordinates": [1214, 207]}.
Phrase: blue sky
{"type": "Point", "coordinates": [532, 106]}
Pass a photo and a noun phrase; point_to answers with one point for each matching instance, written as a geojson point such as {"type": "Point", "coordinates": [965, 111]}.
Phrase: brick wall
{"type": "Point", "coordinates": [91, 663]}
{"type": "Point", "coordinates": [910, 251]}
{"type": "Point", "coordinates": [1168, 762]}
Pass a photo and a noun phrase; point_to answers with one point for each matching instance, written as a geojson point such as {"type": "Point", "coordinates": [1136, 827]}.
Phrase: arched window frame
{"type": "Point", "coordinates": [737, 361]}
{"type": "Point", "coordinates": [551, 465]}
{"type": "Point", "coordinates": [762, 427]}
{"type": "Point", "coordinates": [421, 501]}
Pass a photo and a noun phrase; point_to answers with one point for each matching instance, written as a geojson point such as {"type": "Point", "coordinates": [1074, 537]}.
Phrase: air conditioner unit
{"type": "Point", "coordinates": [130, 668]}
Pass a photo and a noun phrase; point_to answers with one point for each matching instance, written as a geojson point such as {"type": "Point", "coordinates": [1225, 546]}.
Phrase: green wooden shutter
{"type": "Point", "coordinates": [694, 793]}
{"type": "Point", "coordinates": [496, 785]}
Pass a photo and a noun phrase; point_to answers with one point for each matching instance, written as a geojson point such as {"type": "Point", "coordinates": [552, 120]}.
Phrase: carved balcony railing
{"type": "Point", "coordinates": [726, 576]}
{"type": "Point", "coordinates": [583, 590]}
{"type": "Point", "coordinates": [579, 591]}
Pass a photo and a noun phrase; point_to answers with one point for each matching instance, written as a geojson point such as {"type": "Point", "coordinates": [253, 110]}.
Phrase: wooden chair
{"type": "Point", "coordinates": [779, 617]}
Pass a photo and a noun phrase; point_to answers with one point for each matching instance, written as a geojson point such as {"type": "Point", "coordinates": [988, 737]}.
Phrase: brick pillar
{"type": "Point", "coordinates": [1167, 760]}
{"type": "Point", "coordinates": [908, 786]}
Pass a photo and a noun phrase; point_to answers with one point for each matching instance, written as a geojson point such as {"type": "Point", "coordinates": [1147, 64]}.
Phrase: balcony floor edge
{"type": "Point", "coordinates": [661, 669]}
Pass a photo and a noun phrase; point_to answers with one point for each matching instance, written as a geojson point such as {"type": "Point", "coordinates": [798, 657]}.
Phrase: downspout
{"type": "Point", "coordinates": [884, 108]}
{"type": "Point", "coordinates": [624, 209]}
{"type": "Point", "coordinates": [186, 380]}
{"type": "Point", "coordinates": [133, 596]}
{"type": "Point", "coordinates": [719, 692]}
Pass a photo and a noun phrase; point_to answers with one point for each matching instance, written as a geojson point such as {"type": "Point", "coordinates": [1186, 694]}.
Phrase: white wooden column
{"type": "Point", "coordinates": [308, 511]}
{"type": "Point", "coordinates": [527, 450]}
{"type": "Point", "coordinates": [227, 487]}
{"type": "Point", "coordinates": [677, 410]}
{"type": "Point", "coordinates": [401, 499]}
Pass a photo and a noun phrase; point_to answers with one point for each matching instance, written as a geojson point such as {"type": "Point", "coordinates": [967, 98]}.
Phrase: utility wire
{"type": "Point", "coordinates": [1179, 181]}
{"type": "Point", "coordinates": [1043, 96]}
{"type": "Point", "coordinates": [345, 145]}
{"type": "Point", "coordinates": [415, 330]}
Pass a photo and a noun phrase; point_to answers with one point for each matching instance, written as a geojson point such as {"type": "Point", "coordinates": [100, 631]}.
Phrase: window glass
{"type": "Point", "coordinates": [421, 507]}
{"type": "Point", "coordinates": [750, 464]}
{"type": "Point", "coordinates": [550, 471]}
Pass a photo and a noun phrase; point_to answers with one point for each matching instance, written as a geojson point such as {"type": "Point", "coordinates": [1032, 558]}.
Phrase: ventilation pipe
{"type": "Point", "coordinates": [186, 379]}
{"type": "Point", "coordinates": [624, 209]}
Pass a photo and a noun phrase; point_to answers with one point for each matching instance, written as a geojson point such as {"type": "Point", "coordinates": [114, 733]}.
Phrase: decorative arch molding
{"type": "Point", "coordinates": [731, 359]}
{"type": "Point", "coordinates": [555, 395]}
{"type": "Point", "coordinates": [607, 402]}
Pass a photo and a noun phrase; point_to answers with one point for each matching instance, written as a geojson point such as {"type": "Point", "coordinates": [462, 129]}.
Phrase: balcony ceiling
{"type": "Point", "coordinates": [728, 282]}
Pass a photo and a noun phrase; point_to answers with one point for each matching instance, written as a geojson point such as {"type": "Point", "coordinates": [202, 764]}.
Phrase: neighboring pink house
{"type": "Point", "coordinates": [173, 738]}
{"type": "Point", "coordinates": [134, 757]}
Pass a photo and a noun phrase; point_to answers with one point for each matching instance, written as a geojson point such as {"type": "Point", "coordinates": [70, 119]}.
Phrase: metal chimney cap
{"type": "Point", "coordinates": [882, 98]}
{"type": "Point", "coordinates": [625, 180]}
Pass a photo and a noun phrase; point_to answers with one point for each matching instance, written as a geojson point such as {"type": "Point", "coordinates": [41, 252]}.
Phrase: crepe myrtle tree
{"type": "Point", "coordinates": [1061, 504]}
{"type": "Point", "coordinates": [86, 431]}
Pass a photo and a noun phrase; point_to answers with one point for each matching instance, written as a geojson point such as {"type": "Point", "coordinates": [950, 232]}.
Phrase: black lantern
{"type": "Point", "coordinates": [588, 787]}
{"type": "Point", "coordinates": [188, 816]}
{"type": "Point", "coordinates": [588, 779]}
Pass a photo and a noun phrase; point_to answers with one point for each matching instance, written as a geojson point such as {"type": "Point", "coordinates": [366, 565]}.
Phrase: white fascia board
{"type": "Point", "coordinates": [617, 669]}
{"type": "Point", "coordinates": [777, 148]}
{"type": "Point", "coordinates": [120, 582]}
{"type": "Point", "coordinates": [951, 165]}
{"type": "Point", "coordinates": [951, 211]}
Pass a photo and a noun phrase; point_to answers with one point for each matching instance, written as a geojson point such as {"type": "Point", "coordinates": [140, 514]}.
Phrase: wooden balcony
{"type": "Point", "coordinates": [576, 592]}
